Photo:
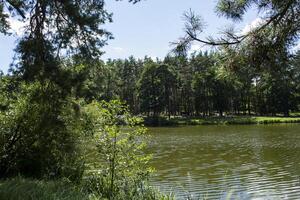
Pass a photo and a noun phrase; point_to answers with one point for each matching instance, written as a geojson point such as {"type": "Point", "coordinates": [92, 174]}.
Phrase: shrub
{"type": "Point", "coordinates": [39, 134]}
{"type": "Point", "coordinates": [123, 173]}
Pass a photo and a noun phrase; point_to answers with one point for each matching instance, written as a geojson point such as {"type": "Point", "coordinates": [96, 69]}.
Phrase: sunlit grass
{"type": "Point", "coordinates": [177, 121]}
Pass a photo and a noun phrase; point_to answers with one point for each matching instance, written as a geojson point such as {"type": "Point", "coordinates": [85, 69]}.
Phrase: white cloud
{"type": "Point", "coordinates": [254, 24]}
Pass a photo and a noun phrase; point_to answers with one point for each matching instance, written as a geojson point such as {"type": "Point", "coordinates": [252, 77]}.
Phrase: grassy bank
{"type": "Point", "coordinates": [177, 121]}
{"type": "Point", "coordinates": [27, 189]}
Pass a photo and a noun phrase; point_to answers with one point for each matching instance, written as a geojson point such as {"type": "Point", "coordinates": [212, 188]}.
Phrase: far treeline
{"type": "Point", "coordinates": [224, 82]}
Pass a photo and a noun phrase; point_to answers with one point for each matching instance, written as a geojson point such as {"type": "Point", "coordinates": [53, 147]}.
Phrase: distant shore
{"type": "Point", "coordinates": [226, 120]}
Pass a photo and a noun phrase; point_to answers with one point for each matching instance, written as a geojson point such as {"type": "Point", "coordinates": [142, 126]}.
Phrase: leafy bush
{"type": "Point", "coordinates": [123, 173]}
{"type": "Point", "coordinates": [43, 130]}
{"type": "Point", "coordinates": [39, 133]}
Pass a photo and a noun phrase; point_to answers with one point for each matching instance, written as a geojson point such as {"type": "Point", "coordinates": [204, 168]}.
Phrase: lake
{"type": "Point", "coordinates": [247, 161]}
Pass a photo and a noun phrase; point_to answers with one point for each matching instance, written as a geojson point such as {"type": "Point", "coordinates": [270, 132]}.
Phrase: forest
{"type": "Point", "coordinates": [72, 126]}
{"type": "Point", "coordinates": [205, 84]}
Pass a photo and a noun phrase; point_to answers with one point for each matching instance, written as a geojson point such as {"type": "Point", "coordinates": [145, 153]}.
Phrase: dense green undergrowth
{"type": "Point", "coordinates": [242, 120]}
{"type": "Point", "coordinates": [121, 170]}
{"type": "Point", "coordinates": [31, 189]}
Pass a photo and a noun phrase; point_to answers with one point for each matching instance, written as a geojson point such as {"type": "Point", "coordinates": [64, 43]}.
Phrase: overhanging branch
{"type": "Point", "coordinates": [12, 3]}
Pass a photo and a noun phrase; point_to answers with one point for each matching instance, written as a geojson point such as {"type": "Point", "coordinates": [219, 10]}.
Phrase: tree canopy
{"type": "Point", "coordinates": [279, 18]}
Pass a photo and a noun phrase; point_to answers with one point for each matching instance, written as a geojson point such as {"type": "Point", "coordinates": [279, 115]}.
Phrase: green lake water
{"type": "Point", "coordinates": [249, 162]}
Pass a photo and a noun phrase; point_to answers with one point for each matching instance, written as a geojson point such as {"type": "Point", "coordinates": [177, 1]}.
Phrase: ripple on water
{"type": "Point", "coordinates": [249, 162]}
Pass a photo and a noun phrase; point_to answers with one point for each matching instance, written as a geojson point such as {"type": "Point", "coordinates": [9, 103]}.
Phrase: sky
{"type": "Point", "coordinates": [145, 28]}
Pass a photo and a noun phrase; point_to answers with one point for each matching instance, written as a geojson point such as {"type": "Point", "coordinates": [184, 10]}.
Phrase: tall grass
{"type": "Point", "coordinates": [26, 189]}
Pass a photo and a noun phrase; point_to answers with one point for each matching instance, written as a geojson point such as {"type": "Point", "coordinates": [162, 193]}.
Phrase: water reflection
{"type": "Point", "coordinates": [251, 162]}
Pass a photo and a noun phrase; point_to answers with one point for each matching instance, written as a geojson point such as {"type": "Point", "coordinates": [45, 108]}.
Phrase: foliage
{"type": "Point", "coordinates": [28, 189]}
{"type": "Point", "coordinates": [51, 103]}
{"type": "Point", "coordinates": [231, 81]}
{"type": "Point", "coordinates": [279, 18]}
{"type": "Point", "coordinates": [123, 172]}
{"type": "Point", "coordinates": [39, 135]}
{"type": "Point", "coordinates": [40, 122]}
{"type": "Point", "coordinates": [156, 87]}
{"type": "Point", "coordinates": [43, 120]}
{"type": "Point", "coordinates": [40, 115]}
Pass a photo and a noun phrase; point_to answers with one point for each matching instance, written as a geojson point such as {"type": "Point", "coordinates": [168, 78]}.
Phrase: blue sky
{"type": "Point", "coordinates": [146, 28]}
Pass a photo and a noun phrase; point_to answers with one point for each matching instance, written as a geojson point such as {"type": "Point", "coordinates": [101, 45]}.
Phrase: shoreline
{"type": "Point", "coordinates": [235, 120]}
